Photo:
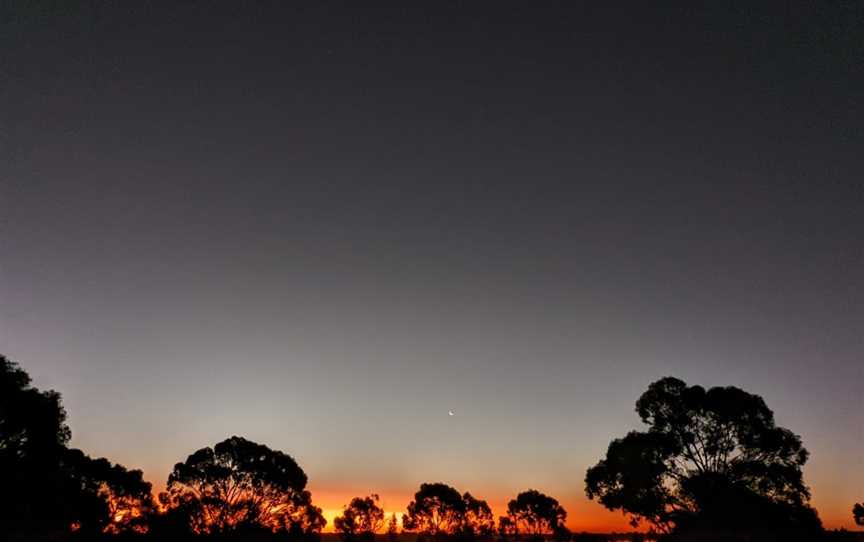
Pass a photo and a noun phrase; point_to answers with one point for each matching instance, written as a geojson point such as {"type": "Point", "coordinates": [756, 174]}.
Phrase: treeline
{"type": "Point", "coordinates": [710, 465]}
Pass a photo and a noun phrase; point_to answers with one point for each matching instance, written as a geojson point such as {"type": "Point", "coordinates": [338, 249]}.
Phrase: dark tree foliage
{"type": "Point", "coordinates": [108, 498]}
{"type": "Point", "coordinates": [506, 528]}
{"type": "Point", "coordinates": [171, 521]}
{"type": "Point", "coordinates": [32, 422]}
{"type": "Point", "coordinates": [241, 485]}
{"type": "Point", "coordinates": [49, 488]}
{"type": "Point", "coordinates": [392, 528]}
{"type": "Point", "coordinates": [858, 513]}
{"type": "Point", "coordinates": [534, 514]}
{"type": "Point", "coordinates": [478, 519]}
{"type": "Point", "coordinates": [33, 437]}
{"type": "Point", "coordinates": [711, 460]}
{"type": "Point", "coordinates": [438, 509]}
{"type": "Point", "coordinates": [362, 518]}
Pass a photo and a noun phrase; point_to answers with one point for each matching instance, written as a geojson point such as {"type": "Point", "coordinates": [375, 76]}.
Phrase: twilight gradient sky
{"type": "Point", "coordinates": [323, 225]}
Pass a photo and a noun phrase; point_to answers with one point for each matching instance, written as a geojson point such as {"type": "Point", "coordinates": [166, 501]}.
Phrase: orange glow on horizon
{"type": "Point", "coordinates": [582, 515]}
{"type": "Point", "coordinates": [332, 502]}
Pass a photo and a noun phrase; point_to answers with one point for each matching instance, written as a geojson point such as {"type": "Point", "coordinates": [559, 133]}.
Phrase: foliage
{"type": "Point", "coordinates": [33, 436]}
{"type": "Point", "coordinates": [858, 513]}
{"type": "Point", "coordinates": [32, 422]}
{"type": "Point", "coordinates": [535, 514]}
{"type": "Point", "coordinates": [242, 485]}
{"type": "Point", "coordinates": [506, 528]}
{"type": "Point", "coordinates": [392, 528]}
{"type": "Point", "coordinates": [478, 519]}
{"type": "Point", "coordinates": [48, 487]}
{"type": "Point", "coordinates": [108, 498]}
{"type": "Point", "coordinates": [438, 509]}
{"type": "Point", "coordinates": [361, 518]}
{"type": "Point", "coordinates": [710, 460]}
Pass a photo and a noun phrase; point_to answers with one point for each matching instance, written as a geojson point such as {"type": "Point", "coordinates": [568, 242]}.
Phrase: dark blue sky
{"type": "Point", "coordinates": [324, 225]}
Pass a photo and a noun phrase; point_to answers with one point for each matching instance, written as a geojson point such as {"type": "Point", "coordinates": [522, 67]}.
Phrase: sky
{"type": "Point", "coordinates": [324, 225]}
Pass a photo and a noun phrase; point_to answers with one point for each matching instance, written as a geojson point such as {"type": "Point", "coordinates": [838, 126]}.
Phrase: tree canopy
{"type": "Point", "coordinates": [858, 513]}
{"type": "Point", "coordinates": [238, 484]}
{"type": "Point", "coordinates": [438, 509]}
{"type": "Point", "coordinates": [361, 518]}
{"type": "Point", "coordinates": [33, 437]}
{"type": "Point", "coordinates": [710, 460]}
{"type": "Point", "coordinates": [107, 497]}
{"type": "Point", "coordinates": [478, 519]}
{"type": "Point", "coordinates": [533, 513]}
{"type": "Point", "coordinates": [48, 486]}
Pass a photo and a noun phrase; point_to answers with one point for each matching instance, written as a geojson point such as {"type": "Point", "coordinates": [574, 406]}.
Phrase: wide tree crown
{"type": "Point", "coordinates": [700, 445]}
{"type": "Point", "coordinates": [242, 484]}
{"type": "Point", "coordinates": [440, 509]}
{"type": "Point", "coordinates": [536, 513]}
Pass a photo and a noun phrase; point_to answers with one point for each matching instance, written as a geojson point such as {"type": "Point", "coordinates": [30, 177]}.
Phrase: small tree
{"type": "Point", "coordinates": [507, 529]}
{"type": "Point", "coordinates": [392, 528]}
{"type": "Point", "coordinates": [362, 518]}
{"type": "Point", "coordinates": [536, 514]}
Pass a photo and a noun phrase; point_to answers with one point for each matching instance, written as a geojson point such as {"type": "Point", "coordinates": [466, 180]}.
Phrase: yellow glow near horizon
{"type": "Point", "coordinates": [331, 513]}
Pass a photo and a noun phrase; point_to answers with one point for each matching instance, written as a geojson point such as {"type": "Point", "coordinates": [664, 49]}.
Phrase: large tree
{"type": "Point", "coordinates": [239, 484]}
{"type": "Point", "coordinates": [710, 460]}
{"type": "Point", "coordinates": [858, 513]}
{"type": "Point", "coordinates": [438, 509]}
{"type": "Point", "coordinates": [47, 487]}
{"type": "Point", "coordinates": [362, 518]}
{"type": "Point", "coordinates": [33, 437]}
{"type": "Point", "coordinates": [534, 514]}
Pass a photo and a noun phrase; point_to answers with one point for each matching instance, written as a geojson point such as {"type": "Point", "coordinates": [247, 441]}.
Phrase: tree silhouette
{"type": "Point", "coordinates": [477, 519]}
{"type": "Point", "coordinates": [858, 513]}
{"type": "Point", "coordinates": [710, 460]}
{"type": "Point", "coordinates": [240, 485]}
{"type": "Point", "coordinates": [438, 509]}
{"type": "Point", "coordinates": [506, 528]}
{"type": "Point", "coordinates": [362, 518]}
{"type": "Point", "coordinates": [108, 498]}
{"type": "Point", "coordinates": [535, 514]}
{"type": "Point", "coordinates": [48, 487]}
{"type": "Point", "coordinates": [33, 437]}
{"type": "Point", "coordinates": [392, 528]}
